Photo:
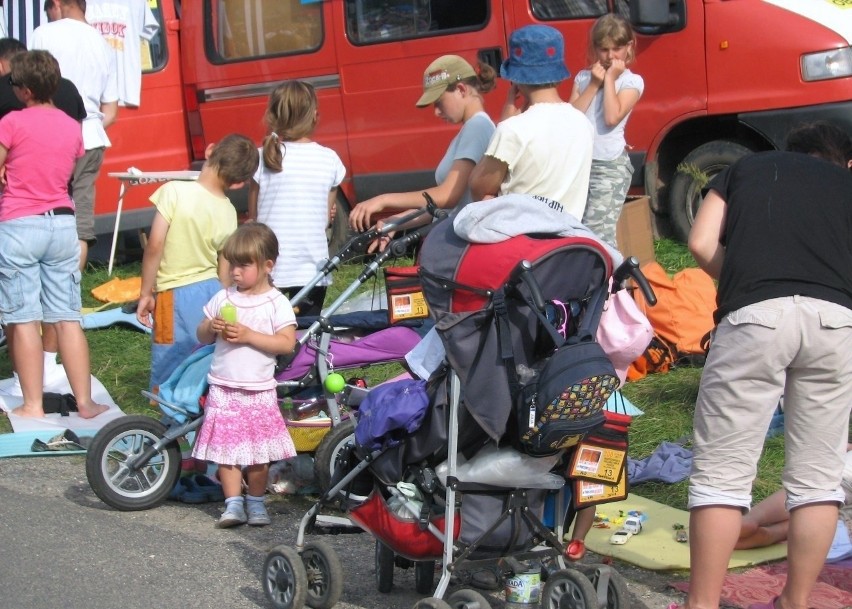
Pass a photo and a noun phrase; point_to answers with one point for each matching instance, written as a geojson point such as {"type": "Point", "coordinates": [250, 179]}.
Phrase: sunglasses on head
{"type": "Point", "coordinates": [14, 83]}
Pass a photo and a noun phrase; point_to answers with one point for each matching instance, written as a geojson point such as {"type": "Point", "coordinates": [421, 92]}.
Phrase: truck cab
{"type": "Point", "coordinates": [722, 78]}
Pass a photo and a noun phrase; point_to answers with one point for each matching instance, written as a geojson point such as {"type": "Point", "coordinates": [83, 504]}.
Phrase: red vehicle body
{"type": "Point", "coordinates": [722, 78]}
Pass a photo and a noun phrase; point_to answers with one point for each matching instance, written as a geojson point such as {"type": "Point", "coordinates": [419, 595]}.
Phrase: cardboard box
{"type": "Point", "coordinates": [634, 233]}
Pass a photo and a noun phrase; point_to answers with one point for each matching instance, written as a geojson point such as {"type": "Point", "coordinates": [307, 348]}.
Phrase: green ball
{"type": "Point", "coordinates": [335, 382]}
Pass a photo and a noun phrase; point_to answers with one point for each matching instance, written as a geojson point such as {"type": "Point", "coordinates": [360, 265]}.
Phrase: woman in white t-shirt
{"type": "Point", "coordinates": [294, 190]}
{"type": "Point", "coordinates": [455, 89]}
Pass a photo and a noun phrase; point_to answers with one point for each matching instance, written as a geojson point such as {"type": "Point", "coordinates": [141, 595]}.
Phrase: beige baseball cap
{"type": "Point", "coordinates": [441, 73]}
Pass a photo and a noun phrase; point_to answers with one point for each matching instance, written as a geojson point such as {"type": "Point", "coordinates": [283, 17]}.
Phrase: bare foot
{"type": "Point", "coordinates": [28, 411]}
{"type": "Point", "coordinates": [90, 411]}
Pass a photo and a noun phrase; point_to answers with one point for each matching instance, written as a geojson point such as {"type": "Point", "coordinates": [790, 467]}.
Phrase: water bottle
{"type": "Point", "coordinates": [287, 408]}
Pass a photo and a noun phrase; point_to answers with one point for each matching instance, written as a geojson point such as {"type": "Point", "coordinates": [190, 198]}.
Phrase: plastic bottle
{"type": "Point", "coordinates": [304, 409]}
{"type": "Point", "coordinates": [228, 312]}
{"type": "Point", "coordinates": [287, 408]}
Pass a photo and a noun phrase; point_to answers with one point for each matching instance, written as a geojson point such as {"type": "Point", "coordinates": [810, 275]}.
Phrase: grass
{"type": "Point", "coordinates": [121, 358]}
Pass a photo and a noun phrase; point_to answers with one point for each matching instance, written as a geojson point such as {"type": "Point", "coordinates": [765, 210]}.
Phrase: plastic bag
{"type": "Point", "coordinates": [506, 467]}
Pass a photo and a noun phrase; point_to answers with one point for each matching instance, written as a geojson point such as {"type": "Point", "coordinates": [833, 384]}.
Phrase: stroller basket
{"type": "Point", "coordinates": [405, 536]}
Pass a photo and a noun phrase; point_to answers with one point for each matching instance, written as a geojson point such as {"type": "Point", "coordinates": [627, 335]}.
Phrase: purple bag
{"type": "Point", "coordinates": [390, 412]}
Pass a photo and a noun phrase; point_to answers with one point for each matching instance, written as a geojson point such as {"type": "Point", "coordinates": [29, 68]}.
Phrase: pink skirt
{"type": "Point", "coordinates": [242, 428]}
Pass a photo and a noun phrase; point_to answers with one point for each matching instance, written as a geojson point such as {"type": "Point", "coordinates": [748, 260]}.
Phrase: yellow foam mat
{"type": "Point", "coordinates": [655, 547]}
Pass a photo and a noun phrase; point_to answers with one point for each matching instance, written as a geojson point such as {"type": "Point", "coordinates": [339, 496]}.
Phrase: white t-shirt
{"type": "Point", "coordinates": [124, 25]}
{"type": "Point", "coordinates": [469, 143]}
{"type": "Point", "coordinates": [294, 204]}
{"type": "Point", "coordinates": [85, 59]}
{"type": "Point", "coordinates": [243, 366]}
{"type": "Point", "coordinates": [548, 149]}
{"type": "Point", "coordinates": [609, 141]}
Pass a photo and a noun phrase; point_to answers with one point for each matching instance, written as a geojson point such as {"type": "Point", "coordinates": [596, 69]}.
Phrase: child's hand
{"type": "Point", "coordinates": [217, 324]}
{"type": "Point", "coordinates": [145, 310]}
{"type": "Point", "coordinates": [598, 74]}
{"type": "Point", "coordinates": [236, 333]}
{"type": "Point", "coordinates": [3, 175]}
{"type": "Point", "coordinates": [616, 68]}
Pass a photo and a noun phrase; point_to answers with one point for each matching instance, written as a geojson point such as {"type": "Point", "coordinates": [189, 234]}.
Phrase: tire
{"type": "Point", "coordinates": [467, 599]}
{"type": "Point", "coordinates": [325, 575]}
{"type": "Point", "coordinates": [116, 485]}
{"type": "Point", "coordinates": [285, 581]}
{"type": "Point", "coordinates": [329, 447]}
{"type": "Point", "coordinates": [617, 596]}
{"type": "Point", "coordinates": [568, 588]}
{"type": "Point", "coordinates": [384, 567]}
{"type": "Point", "coordinates": [424, 576]}
{"type": "Point", "coordinates": [339, 232]}
{"type": "Point", "coordinates": [431, 603]}
{"type": "Point", "coordinates": [685, 191]}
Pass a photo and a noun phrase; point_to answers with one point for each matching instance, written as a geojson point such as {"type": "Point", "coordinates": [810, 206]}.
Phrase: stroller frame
{"type": "Point", "coordinates": [310, 572]}
{"type": "Point", "coordinates": [122, 463]}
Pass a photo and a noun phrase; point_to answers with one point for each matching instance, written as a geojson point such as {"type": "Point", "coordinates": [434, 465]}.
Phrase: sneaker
{"type": "Point", "coordinates": [257, 514]}
{"type": "Point", "coordinates": [234, 515]}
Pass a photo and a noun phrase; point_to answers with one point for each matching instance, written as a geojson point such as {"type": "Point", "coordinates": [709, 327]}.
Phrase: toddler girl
{"type": "Point", "coordinates": [294, 191]}
{"type": "Point", "coordinates": [251, 322]}
{"type": "Point", "coordinates": [607, 92]}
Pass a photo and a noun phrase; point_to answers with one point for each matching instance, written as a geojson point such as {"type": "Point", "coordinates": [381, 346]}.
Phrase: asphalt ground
{"type": "Point", "coordinates": [61, 547]}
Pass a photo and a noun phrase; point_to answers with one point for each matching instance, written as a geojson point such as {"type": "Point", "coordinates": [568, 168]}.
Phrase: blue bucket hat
{"type": "Point", "coordinates": [536, 56]}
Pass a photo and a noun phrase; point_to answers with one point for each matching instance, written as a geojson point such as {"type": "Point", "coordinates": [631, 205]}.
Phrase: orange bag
{"type": "Point", "coordinates": [682, 318]}
{"type": "Point", "coordinates": [119, 290]}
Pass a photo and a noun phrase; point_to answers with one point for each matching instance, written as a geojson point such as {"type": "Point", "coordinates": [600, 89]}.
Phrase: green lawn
{"type": "Point", "coordinates": [121, 357]}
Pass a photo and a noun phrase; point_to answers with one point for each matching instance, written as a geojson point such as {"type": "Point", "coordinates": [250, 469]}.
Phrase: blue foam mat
{"type": "Point", "coordinates": [18, 444]}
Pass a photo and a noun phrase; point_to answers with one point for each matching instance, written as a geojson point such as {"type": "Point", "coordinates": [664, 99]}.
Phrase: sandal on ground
{"type": "Point", "coordinates": [211, 489]}
{"type": "Point", "coordinates": [575, 550]}
{"type": "Point", "coordinates": [485, 579]}
{"type": "Point", "coordinates": [187, 491]}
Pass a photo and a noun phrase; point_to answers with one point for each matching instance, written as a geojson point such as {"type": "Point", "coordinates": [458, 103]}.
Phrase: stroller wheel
{"type": "Point", "coordinates": [431, 603]}
{"type": "Point", "coordinates": [568, 588]}
{"type": "Point", "coordinates": [601, 576]}
{"type": "Point", "coordinates": [325, 457]}
{"type": "Point", "coordinates": [325, 575]}
{"type": "Point", "coordinates": [467, 599]}
{"type": "Point", "coordinates": [424, 576]}
{"type": "Point", "coordinates": [139, 488]}
{"type": "Point", "coordinates": [384, 567]}
{"type": "Point", "coordinates": [285, 581]}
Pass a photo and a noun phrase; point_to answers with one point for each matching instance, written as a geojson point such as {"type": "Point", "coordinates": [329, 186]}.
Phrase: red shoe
{"type": "Point", "coordinates": [575, 550]}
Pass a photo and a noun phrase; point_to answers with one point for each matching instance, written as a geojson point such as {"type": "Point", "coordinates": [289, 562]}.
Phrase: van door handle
{"type": "Point", "coordinates": [492, 57]}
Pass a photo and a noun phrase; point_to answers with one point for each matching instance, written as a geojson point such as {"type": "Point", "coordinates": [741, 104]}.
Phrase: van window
{"type": "Point", "coordinates": [369, 21]}
{"type": "Point", "coordinates": [154, 54]}
{"type": "Point", "coordinates": [246, 29]}
{"type": "Point", "coordinates": [568, 9]}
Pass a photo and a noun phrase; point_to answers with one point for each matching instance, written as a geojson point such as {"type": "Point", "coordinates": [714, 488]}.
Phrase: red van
{"type": "Point", "coordinates": [722, 78]}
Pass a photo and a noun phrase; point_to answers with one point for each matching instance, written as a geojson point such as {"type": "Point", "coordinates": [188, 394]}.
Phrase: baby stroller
{"type": "Point", "coordinates": [134, 462]}
{"type": "Point", "coordinates": [398, 488]}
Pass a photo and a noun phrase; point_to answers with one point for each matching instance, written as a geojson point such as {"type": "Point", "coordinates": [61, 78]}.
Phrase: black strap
{"type": "Point", "coordinates": [504, 339]}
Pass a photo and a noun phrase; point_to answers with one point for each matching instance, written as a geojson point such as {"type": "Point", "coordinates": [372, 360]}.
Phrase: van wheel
{"type": "Point", "coordinates": [339, 231]}
{"type": "Point", "coordinates": [697, 169]}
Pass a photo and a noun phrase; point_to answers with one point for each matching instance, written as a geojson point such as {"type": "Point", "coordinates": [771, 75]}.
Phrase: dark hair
{"type": "Point", "coordinates": [252, 242]}
{"type": "Point", "coordinates": [235, 159]}
{"type": "Point", "coordinates": [10, 47]}
{"type": "Point", "coordinates": [822, 139]}
{"type": "Point", "coordinates": [290, 115]}
{"type": "Point", "coordinates": [38, 71]}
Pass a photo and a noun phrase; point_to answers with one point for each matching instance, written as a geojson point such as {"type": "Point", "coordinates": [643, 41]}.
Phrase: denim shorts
{"type": "Point", "coordinates": [39, 269]}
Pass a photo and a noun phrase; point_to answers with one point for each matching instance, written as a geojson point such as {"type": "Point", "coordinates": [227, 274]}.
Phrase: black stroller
{"type": "Point", "coordinates": [407, 489]}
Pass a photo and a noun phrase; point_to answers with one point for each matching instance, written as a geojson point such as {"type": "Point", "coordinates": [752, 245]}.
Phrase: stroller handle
{"type": "Point", "coordinates": [630, 268]}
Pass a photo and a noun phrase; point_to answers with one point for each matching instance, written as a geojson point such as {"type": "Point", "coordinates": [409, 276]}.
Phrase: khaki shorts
{"type": "Point", "coordinates": [83, 192]}
{"type": "Point", "coordinates": [797, 347]}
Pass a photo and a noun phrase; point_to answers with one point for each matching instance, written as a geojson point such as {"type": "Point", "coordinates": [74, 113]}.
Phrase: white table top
{"type": "Point", "coordinates": [153, 177]}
